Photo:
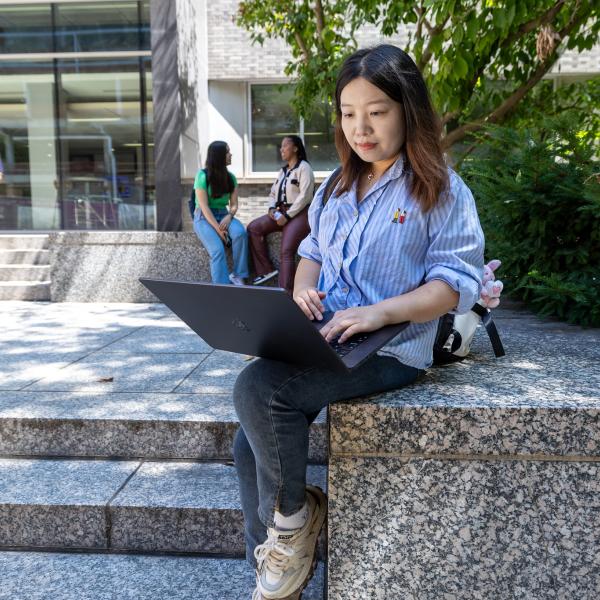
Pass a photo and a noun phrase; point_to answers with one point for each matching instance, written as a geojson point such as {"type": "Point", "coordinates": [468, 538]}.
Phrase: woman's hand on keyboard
{"type": "Point", "coordinates": [346, 323]}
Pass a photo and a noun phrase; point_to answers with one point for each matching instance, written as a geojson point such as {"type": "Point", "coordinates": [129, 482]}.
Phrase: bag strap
{"type": "Point", "coordinates": [490, 327]}
{"type": "Point", "coordinates": [331, 183]}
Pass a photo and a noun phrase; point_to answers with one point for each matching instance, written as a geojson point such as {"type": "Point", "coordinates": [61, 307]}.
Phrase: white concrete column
{"type": "Point", "coordinates": [42, 154]}
{"type": "Point", "coordinates": [192, 54]}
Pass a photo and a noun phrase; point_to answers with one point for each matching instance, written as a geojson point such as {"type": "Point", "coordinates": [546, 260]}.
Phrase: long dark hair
{"type": "Point", "coordinates": [395, 73]}
{"type": "Point", "coordinates": [297, 141]}
{"type": "Point", "coordinates": [217, 175]}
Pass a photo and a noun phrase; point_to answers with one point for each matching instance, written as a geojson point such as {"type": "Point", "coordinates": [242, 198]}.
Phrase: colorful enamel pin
{"type": "Point", "coordinates": [399, 217]}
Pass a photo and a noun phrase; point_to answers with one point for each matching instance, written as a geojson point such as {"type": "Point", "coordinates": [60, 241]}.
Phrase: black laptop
{"type": "Point", "coordinates": [265, 322]}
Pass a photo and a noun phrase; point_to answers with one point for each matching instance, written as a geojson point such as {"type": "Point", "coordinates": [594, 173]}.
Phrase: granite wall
{"type": "Point", "coordinates": [98, 266]}
{"type": "Point", "coordinates": [479, 482]}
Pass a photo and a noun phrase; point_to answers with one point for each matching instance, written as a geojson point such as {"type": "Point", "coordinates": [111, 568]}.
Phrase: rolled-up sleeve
{"type": "Point", "coordinates": [309, 246]}
{"type": "Point", "coordinates": [456, 245]}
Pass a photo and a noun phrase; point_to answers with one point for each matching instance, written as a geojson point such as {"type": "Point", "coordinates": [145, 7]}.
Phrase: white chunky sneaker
{"type": "Point", "coordinates": [260, 279]}
{"type": "Point", "coordinates": [256, 595]}
{"type": "Point", "coordinates": [236, 280]}
{"type": "Point", "coordinates": [287, 560]}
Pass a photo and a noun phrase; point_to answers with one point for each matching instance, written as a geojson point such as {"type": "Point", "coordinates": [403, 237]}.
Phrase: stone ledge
{"type": "Point", "coordinates": [534, 401]}
{"type": "Point", "coordinates": [104, 266]}
{"type": "Point", "coordinates": [480, 481]}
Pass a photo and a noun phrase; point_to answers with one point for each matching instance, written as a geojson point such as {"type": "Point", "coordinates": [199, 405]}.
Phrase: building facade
{"type": "Point", "coordinates": [107, 109]}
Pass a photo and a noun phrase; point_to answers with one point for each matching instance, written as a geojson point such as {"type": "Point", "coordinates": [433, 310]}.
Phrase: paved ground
{"type": "Point", "coordinates": [49, 349]}
{"type": "Point", "coordinates": [77, 379]}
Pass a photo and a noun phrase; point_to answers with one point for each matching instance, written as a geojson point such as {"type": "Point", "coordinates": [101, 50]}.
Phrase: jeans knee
{"type": "Point", "coordinates": [238, 233]}
{"type": "Point", "coordinates": [242, 453]}
{"type": "Point", "coordinates": [217, 253]}
{"type": "Point", "coordinates": [251, 393]}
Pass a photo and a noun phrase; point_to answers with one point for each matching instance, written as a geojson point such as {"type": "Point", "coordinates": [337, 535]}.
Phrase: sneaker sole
{"type": "Point", "coordinates": [297, 594]}
{"type": "Point", "coordinates": [266, 279]}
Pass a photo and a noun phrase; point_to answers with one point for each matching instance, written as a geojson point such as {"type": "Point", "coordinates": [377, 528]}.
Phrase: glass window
{"type": "Point", "coordinates": [29, 183]}
{"type": "Point", "coordinates": [76, 135]}
{"type": "Point", "coordinates": [102, 175]}
{"type": "Point", "coordinates": [319, 139]}
{"type": "Point", "coordinates": [89, 27]}
{"type": "Point", "coordinates": [273, 118]}
{"type": "Point", "coordinates": [25, 28]}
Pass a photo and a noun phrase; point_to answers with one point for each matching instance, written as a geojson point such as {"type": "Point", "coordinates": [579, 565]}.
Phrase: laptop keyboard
{"type": "Point", "coordinates": [349, 345]}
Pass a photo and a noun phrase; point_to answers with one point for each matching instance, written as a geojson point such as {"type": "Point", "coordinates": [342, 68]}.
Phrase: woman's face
{"type": "Point", "coordinates": [288, 150]}
{"type": "Point", "coordinates": [372, 122]}
{"type": "Point", "coordinates": [228, 156]}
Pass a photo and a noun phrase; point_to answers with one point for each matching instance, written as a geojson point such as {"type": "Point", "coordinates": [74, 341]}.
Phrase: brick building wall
{"type": "Point", "coordinates": [232, 55]}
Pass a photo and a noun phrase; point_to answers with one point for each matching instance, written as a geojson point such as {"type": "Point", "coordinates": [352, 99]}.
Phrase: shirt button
{"type": "Point", "coordinates": [345, 290]}
{"type": "Point", "coordinates": [356, 213]}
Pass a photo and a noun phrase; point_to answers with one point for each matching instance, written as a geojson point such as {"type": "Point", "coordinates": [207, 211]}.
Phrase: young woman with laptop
{"type": "Point", "coordinates": [397, 240]}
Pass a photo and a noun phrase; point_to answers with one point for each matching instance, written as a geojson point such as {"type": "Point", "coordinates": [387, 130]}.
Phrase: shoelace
{"type": "Point", "coordinates": [274, 554]}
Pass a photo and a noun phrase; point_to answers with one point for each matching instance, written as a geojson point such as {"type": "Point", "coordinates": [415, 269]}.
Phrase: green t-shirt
{"type": "Point", "coordinates": [222, 201]}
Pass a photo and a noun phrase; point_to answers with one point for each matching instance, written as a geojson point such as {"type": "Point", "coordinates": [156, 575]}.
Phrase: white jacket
{"type": "Point", "coordinates": [299, 188]}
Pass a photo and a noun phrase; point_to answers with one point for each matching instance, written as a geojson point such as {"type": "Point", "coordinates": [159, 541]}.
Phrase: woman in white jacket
{"type": "Point", "coordinates": [290, 198]}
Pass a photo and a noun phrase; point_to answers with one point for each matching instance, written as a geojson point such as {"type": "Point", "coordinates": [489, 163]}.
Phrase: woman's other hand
{"type": "Point", "coordinates": [282, 220]}
{"type": "Point", "coordinates": [225, 222]}
{"type": "Point", "coordinates": [309, 300]}
{"type": "Point", "coordinates": [222, 234]}
{"type": "Point", "coordinates": [271, 213]}
{"type": "Point", "coordinates": [346, 323]}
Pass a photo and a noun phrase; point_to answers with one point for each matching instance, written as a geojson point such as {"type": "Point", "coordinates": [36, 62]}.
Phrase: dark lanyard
{"type": "Point", "coordinates": [282, 193]}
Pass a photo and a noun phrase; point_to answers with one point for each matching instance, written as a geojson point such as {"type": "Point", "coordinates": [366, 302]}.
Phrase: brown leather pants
{"type": "Point", "coordinates": [293, 232]}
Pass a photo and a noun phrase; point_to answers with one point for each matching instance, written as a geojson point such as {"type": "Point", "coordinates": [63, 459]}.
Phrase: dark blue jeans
{"type": "Point", "coordinates": [276, 402]}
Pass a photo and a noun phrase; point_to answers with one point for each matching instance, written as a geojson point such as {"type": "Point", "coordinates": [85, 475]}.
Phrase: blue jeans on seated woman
{"type": "Point", "coordinates": [216, 249]}
{"type": "Point", "coordinates": [276, 402]}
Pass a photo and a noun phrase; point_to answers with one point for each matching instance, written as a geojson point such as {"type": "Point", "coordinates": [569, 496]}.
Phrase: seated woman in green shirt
{"type": "Point", "coordinates": [214, 223]}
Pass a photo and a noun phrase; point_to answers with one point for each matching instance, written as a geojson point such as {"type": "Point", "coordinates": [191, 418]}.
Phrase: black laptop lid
{"type": "Point", "coordinates": [252, 320]}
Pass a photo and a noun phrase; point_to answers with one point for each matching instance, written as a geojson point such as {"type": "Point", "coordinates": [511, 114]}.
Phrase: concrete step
{"type": "Point", "coordinates": [186, 507]}
{"type": "Point", "coordinates": [125, 425]}
{"type": "Point", "coordinates": [75, 576]}
{"type": "Point", "coordinates": [23, 242]}
{"type": "Point", "coordinates": [25, 290]}
{"type": "Point", "coordinates": [33, 273]}
{"type": "Point", "coordinates": [24, 257]}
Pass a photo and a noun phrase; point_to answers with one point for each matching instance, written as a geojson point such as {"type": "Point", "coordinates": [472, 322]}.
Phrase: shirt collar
{"type": "Point", "coordinates": [394, 172]}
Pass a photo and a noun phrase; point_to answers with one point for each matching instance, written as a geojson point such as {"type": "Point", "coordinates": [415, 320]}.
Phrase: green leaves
{"type": "Point", "coordinates": [539, 205]}
{"type": "Point", "coordinates": [461, 68]}
{"type": "Point", "coordinates": [463, 47]}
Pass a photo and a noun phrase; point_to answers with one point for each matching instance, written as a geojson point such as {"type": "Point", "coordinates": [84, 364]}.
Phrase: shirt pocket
{"type": "Point", "coordinates": [394, 250]}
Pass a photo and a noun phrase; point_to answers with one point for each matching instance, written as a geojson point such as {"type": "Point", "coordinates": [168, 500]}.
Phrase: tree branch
{"type": "Point", "coordinates": [449, 116]}
{"type": "Point", "coordinates": [302, 45]}
{"type": "Point", "coordinates": [421, 14]}
{"type": "Point", "coordinates": [319, 18]}
{"type": "Point", "coordinates": [523, 29]}
{"type": "Point", "coordinates": [509, 103]}
{"type": "Point", "coordinates": [433, 31]}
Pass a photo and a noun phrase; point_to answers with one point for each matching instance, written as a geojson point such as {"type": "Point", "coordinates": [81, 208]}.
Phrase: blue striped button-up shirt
{"type": "Point", "coordinates": [385, 246]}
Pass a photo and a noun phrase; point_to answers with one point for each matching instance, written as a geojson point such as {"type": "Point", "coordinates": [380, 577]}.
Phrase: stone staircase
{"type": "Point", "coordinates": [106, 493]}
{"type": "Point", "coordinates": [24, 267]}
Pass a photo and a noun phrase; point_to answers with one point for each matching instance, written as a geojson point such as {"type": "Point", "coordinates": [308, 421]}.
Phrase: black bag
{"type": "Point", "coordinates": [192, 200]}
{"type": "Point", "coordinates": [455, 332]}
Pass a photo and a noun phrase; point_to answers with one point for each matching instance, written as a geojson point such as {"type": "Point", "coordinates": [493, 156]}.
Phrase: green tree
{"type": "Point", "coordinates": [480, 58]}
